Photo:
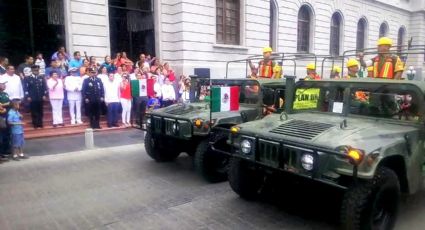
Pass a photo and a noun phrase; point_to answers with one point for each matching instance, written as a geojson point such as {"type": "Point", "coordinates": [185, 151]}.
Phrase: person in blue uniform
{"type": "Point", "coordinates": [35, 89]}
{"type": "Point", "coordinates": [93, 95]}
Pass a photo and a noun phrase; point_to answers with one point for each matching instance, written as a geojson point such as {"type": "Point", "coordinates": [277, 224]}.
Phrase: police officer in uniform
{"type": "Point", "coordinates": [93, 95]}
{"type": "Point", "coordinates": [35, 88]}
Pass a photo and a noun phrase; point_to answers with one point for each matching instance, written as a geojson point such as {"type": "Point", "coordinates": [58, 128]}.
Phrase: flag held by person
{"type": "Point", "coordinates": [225, 99]}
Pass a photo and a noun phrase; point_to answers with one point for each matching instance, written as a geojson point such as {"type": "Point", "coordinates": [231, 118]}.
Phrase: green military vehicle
{"type": "Point", "coordinates": [194, 129]}
{"type": "Point", "coordinates": [364, 136]}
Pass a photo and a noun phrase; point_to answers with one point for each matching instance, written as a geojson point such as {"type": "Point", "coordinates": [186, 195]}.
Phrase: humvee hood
{"type": "Point", "coordinates": [199, 110]}
{"type": "Point", "coordinates": [325, 130]}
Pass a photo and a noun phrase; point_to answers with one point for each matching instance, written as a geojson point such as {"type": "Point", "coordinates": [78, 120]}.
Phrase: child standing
{"type": "Point", "coordinates": [14, 119]}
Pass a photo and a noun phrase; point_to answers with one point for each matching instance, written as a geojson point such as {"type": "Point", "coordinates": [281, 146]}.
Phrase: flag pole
{"type": "Point", "coordinates": [210, 102]}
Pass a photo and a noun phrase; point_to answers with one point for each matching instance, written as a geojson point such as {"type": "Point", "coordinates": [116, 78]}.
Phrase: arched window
{"type": "Point", "coordinates": [228, 24]}
{"type": "Point", "coordinates": [274, 17]}
{"type": "Point", "coordinates": [401, 39]}
{"type": "Point", "coordinates": [336, 31]}
{"type": "Point", "coordinates": [361, 34]}
{"type": "Point", "coordinates": [304, 27]}
{"type": "Point", "coordinates": [383, 30]}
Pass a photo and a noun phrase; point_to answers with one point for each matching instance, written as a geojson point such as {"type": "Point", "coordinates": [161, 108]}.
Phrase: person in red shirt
{"type": "Point", "coordinates": [125, 98]}
{"type": "Point", "coordinates": [168, 72]}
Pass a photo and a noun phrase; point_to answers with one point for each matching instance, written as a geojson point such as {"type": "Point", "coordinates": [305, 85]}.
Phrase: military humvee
{"type": "Point", "coordinates": [365, 136]}
{"type": "Point", "coordinates": [192, 128]}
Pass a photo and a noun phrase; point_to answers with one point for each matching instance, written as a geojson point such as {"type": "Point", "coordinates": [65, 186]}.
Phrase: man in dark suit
{"type": "Point", "coordinates": [93, 95]}
{"type": "Point", "coordinates": [35, 88]}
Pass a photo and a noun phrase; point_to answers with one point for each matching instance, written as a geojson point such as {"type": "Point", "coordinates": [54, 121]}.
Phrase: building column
{"type": "Point", "coordinates": [87, 27]}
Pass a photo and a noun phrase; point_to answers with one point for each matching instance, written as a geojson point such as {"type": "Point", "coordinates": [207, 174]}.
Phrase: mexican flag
{"type": "Point", "coordinates": [224, 99]}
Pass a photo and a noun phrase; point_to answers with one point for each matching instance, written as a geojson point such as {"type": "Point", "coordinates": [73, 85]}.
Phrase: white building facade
{"type": "Point", "coordinates": [206, 34]}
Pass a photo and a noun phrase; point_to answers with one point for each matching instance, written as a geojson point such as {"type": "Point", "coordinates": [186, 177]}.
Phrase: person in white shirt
{"type": "Point", "coordinates": [157, 87]}
{"type": "Point", "coordinates": [168, 93]}
{"type": "Point", "coordinates": [184, 90]}
{"type": "Point", "coordinates": [14, 86]}
{"type": "Point", "coordinates": [40, 62]}
{"type": "Point", "coordinates": [118, 74]}
{"type": "Point", "coordinates": [133, 76]}
{"type": "Point", "coordinates": [103, 74]}
{"type": "Point", "coordinates": [112, 100]}
{"type": "Point", "coordinates": [73, 86]}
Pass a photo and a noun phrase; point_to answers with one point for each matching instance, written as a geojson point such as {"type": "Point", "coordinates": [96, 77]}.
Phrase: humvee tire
{"type": "Point", "coordinates": [243, 180]}
{"type": "Point", "coordinates": [372, 204]}
{"type": "Point", "coordinates": [209, 164]}
{"type": "Point", "coordinates": [158, 153]}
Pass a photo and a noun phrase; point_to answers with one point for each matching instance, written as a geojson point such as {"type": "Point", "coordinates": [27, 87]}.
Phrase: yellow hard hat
{"type": "Point", "coordinates": [336, 69]}
{"type": "Point", "coordinates": [385, 41]}
{"type": "Point", "coordinates": [311, 66]}
{"type": "Point", "coordinates": [267, 49]}
{"type": "Point", "coordinates": [352, 62]}
{"type": "Point", "coordinates": [370, 69]}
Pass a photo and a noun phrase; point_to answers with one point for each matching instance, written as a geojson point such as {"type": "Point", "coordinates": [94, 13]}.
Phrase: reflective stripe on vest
{"type": "Point", "coordinates": [386, 71]}
{"type": "Point", "coordinates": [266, 70]}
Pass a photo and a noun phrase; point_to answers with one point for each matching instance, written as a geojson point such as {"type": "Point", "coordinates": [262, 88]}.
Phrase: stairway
{"type": "Point", "coordinates": [68, 129]}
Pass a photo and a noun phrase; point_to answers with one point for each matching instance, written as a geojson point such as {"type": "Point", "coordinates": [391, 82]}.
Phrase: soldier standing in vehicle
{"type": "Point", "coordinates": [353, 68]}
{"type": "Point", "coordinates": [267, 68]}
{"type": "Point", "coordinates": [311, 72]}
{"type": "Point", "coordinates": [93, 94]}
{"type": "Point", "coordinates": [385, 65]}
{"type": "Point", "coordinates": [35, 88]}
{"type": "Point", "coordinates": [336, 72]}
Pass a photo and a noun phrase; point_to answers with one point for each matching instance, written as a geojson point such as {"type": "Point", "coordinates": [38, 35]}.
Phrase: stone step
{"type": "Point", "coordinates": [67, 130]}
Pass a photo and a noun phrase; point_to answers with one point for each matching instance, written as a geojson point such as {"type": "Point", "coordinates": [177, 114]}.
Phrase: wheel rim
{"type": "Point", "coordinates": [383, 210]}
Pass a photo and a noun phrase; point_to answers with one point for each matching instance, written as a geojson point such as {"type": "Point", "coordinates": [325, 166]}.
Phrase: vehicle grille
{"type": "Point", "coordinates": [165, 126]}
{"type": "Point", "coordinates": [156, 124]}
{"type": "Point", "coordinates": [276, 155]}
{"type": "Point", "coordinates": [269, 153]}
{"type": "Point", "coordinates": [302, 129]}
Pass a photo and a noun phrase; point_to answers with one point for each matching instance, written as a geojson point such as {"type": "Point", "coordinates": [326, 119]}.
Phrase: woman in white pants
{"type": "Point", "coordinates": [125, 97]}
{"type": "Point", "coordinates": [73, 86]}
{"type": "Point", "coordinates": [55, 85]}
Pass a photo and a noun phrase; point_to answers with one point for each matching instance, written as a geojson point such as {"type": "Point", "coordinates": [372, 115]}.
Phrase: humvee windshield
{"type": "Point", "coordinates": [373, 100]}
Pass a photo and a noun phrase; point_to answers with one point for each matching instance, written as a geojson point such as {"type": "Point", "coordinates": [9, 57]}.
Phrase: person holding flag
{"type": "Point", "coordinates": [140, 88]}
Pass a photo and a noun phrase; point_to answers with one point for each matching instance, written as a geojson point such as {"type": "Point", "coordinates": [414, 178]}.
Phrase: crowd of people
{"type": "Point", "coordinates": [121, 89]}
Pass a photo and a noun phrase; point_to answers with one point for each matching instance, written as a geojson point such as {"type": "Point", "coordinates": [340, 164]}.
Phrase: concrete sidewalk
{"type": "Point", "coordinates": [65, 144]}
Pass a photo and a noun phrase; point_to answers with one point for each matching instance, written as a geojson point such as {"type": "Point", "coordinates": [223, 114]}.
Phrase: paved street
{"type": "Point", "coordinates": [121, 188]}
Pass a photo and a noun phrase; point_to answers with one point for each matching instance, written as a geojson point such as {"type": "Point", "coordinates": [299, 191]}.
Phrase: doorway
{"type": "Point", "coordinates": [132, 27]}
{"type": "Point", "coordinates": [30, 26]}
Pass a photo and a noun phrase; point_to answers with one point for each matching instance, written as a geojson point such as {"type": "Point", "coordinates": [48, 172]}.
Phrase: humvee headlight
{"type": "Point", "coordinates": [246, 147]}
{"type": "Point", "coordinates": [307, 162]}
{"type": "Point", "coordinates": [148, 121]}
{"type": "Point", "coordinates": [175, 127]}
{"type": "Point", "coordinates": [198, 123]}
{"type": "Point", "coordinates": [355, 156]}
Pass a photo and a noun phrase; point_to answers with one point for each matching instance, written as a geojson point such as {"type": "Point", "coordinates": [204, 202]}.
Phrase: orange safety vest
{"type": "Point", "coordinates": [313, 77]}
{"type": "Point", "coordinates": [266, 69]}
{"type": "Point", "coordinates": [387, 69]}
